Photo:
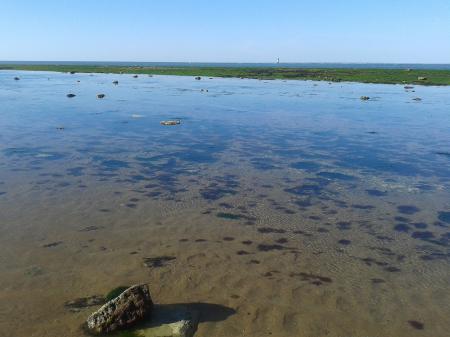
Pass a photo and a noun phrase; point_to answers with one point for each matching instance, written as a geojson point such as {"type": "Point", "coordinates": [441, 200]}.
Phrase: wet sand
{"type": "Point", "coordinates": [287, 209]}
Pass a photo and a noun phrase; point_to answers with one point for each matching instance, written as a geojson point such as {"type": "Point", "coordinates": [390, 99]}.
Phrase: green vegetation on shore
{"type": "Point", "coordinates": [387, 76]}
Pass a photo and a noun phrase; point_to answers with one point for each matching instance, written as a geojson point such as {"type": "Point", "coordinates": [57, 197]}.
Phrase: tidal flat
{"type": "Point", "coordinates": [276, 208]}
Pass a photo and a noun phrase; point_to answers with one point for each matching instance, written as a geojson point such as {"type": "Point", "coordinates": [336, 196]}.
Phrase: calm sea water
{"type": "Point", "coordinates": [295, 206]}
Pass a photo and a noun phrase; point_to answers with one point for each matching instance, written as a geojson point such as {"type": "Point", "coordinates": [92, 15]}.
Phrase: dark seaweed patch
{"type": "Point", "coordinates": [306, 166]}
{"type": "Point", "coordinates": [157, 262]}
{"type": "Point", "coordinates": [316, 280]}
{"type": "Point", "coordinates": [242, 252]}
{"type": "Point", "coordinates": [52, 244]}
{"type": "Point", "coordinates": [343, 225]}
{"type": "Point", "coordinates": [444, 216]}
{"type": "Point", "coordinates": [408, 209]}
{"type": "Point", "coordinates": [344, 242]}
{"type": "Point", "coordinates": [114, 165]}
{"type": "Point", "coordinates": [254, 262]}
{"type": "Point", "coordinates": [376, 193]}
{"type": "Point", "coordinates": [420, 225]}
{"type": "Point", "coordinates": [75, 171]}
{"type": "Point", "coordinates": [336, 176]}
{"type": "Point", "coordinates": [266, 230]}
{"type": "Point", "coordinates": [302, 233]}
{"type": "Point", "coordinates": [228, 238]}
{"type": "Point", "coordinates": [426, 235]}
{"type": "Point", "coordinates": [112, 294]}
{"type": "Point", "coordinates": [281, 241]}
{"type": "Point", "coordinates": [90, 228]}
{"type": "Point", "coordinates": [247, 242]}
{"type": "Point", "coordinates": [267, 247]}
{"type": "Point", "coordinates": [84, 302]}
{"type": "Point", "coordinates": [417, 325]}
{"type": "Point", "coordinates": [377, 280]}
{"type": "Point", "coordinates": [228, 216]}
{"type": "Point", "coordinates": [263, 164]}
{"type": "Point", "coordinates": [363, 206]}
{"type": "Point", "coordinates": [305, 190]}
{"type": "Point", "coordinates": [402, 228]}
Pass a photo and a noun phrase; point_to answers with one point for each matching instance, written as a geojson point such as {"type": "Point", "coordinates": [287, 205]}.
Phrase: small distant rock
{"type": "Point", "coordinates": [365, 98]}
{"type": "Point", "coordinates": [418, 99]}
{"type": "Point", "coordinates": [16, 78]}
{"type": "Point", "coordinates": [130, 307]}
{"type": "Point", "coordinates": [171, 122]}
{"type": "Point", "coordinates": [60, 128]}
{"type": "Point", "coordinates": [71, 95]}
{"type": "Point", "coordinates": [135, 76]}
{"type": "Point", "coordinates": [198, 78]}
{"type": "Point", "coordinates": [408, 87]}
{"type": "Point", "coordinates": [100, 95]}
{"type": "Point", "coordinates": [422, 78]}
{"type": "Point", "coordinates": [115, 82]}
{"type": "Point", "coordinates": [72, 72]}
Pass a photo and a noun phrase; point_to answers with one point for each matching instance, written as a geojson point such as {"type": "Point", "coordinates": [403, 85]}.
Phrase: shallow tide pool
{"type": "Point", "coordinates": [276, 208]}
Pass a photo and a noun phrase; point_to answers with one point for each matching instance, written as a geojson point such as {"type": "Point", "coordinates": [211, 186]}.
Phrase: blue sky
{"type": "Point", "coordinates": [416, 31]}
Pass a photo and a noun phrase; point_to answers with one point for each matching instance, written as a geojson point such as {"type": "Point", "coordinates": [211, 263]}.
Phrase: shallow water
{"type": "Point", "coordinates": [292, 208]}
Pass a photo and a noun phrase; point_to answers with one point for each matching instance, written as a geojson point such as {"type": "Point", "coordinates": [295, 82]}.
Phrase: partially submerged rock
{"type": "Point", "coordinates": [365, 98]}
{"type": "Point", "coordinates": [16, 78]}
{"type": "Point", "coordinates": [171, 122]}
{"type": "Point", "coordinates": [71, 95]}
{"type": "Point", "coordinates": [100, 95]}
{"type": "Point", "coordinates": [135, 76]}
{"type": "Point", "coordinates": [418, 99]}
{"type": "Point", "coordinates": [198, 78]}
{"type": "Point", "coordinates": [115, 82]}
{"type": "Point", "coordinates": [408, 87]}
{"type": "Point", "coordinates": [170, 321]}
{"type": "Point", "coordinates": [130, 307]}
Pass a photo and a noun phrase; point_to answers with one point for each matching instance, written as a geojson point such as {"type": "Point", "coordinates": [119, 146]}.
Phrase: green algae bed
{"type": "Point", "coordinates": [387, 76]}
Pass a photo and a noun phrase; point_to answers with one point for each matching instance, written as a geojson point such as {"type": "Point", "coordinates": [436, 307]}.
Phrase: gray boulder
{"type": "Point", "coordinates": [130, 307]}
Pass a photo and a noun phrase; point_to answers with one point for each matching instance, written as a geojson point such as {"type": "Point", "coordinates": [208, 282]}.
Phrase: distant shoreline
{"type": "Point", "coordinates": [361, 75]}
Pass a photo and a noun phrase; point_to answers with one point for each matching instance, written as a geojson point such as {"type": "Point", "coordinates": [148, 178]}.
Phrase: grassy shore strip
{"type": "Point", "coordinates": [387, 76]}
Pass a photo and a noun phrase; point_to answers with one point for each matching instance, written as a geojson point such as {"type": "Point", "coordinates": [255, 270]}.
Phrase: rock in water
{"type": "Point", "coordinates": [365, 98]}
{"type": "Point", "coordinates": [70, 95]}
{"type": "Point", "coordinates": [100, 95]}
{"type": "Point", "coordinates": [130, 307]}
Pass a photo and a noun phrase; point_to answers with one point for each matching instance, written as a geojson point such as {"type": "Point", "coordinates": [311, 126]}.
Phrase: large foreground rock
{"type": "Point", "coordinates": [130, 307]}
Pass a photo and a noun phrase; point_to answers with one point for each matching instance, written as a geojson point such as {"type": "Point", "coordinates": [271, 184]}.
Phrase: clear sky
{"type": "Point", "coordinates": [392, 31]}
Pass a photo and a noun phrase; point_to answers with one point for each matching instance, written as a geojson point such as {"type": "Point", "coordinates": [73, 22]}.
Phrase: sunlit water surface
{"type": "Point", "coordinates": [292, 208]}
